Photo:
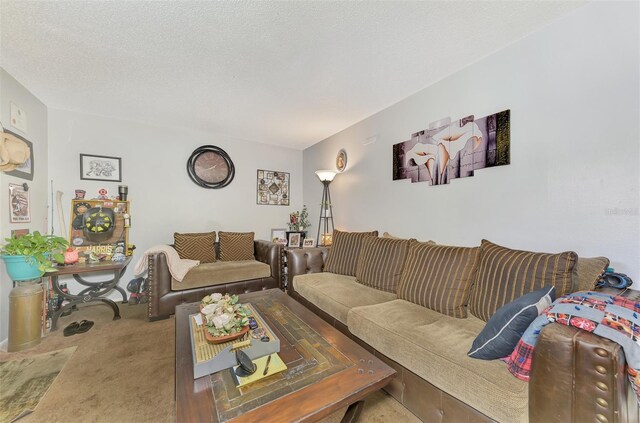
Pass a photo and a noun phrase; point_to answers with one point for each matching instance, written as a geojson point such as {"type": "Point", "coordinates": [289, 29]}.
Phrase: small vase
{"type": "Point", "coordinates": [301, 228]}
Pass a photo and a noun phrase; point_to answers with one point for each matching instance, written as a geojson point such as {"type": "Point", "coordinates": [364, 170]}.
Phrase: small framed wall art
{"type": "Point", "coordinates": [272, 188]}
{"type": "Point", "coordinates": [19, 147]}
{"type": "Point", "coordinates": [309, 243]}
{"type": "Point", "coordinates": [341, 160]}
{"type": "Point", "coordinates": [100, 168]}
{"type": "Point", "coordinates": [19, 204]}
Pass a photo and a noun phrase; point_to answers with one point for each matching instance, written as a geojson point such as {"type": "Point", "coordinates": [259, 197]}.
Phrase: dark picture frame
{"type": "Point", "coordinates": [100, 168]}
{"type": "Point", "coordinates": [25, 170]}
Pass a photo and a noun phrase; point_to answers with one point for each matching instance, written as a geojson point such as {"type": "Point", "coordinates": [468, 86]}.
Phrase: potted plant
{"type": "Point", "coordinates": [32, 255]}
{"type": "Point", "coordinates": [299, 220]}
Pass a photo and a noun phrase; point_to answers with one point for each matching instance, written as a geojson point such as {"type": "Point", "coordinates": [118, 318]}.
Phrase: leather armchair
{"type": "Point", "coordinates": [163, 301]}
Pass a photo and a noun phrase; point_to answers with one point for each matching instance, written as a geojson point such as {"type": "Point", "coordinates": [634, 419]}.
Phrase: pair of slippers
{"type": "Point", "coordinates": [76, 327]}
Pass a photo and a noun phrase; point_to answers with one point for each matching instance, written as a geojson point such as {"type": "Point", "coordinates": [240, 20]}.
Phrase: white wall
{"type": "Point", "coordinates": [163, 198]}
{"type": "Point", "coordinates": [573, 183]}
{"type": "Point", "coordinates": [11, 91]}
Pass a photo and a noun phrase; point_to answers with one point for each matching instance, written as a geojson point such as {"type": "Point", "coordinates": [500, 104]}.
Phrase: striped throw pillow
{"type": "Point", "coordinates": [505, 274]}
{"type": "Point", "coordinates": [344, 252]}
{"type": "Point", "coordinates": [196, 246]}
{"type": "Point", "coordinates": [381, 262]}
{"type": "Point", "coordinates": [235, 246]}
{"type": "Point", "coordinates": [438, 277]}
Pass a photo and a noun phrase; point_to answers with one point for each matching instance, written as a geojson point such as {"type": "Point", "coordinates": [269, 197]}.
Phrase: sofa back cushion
{"type": "Point", "coordinates": [589, 270]}
{"type": "Point", "coordinates": [381, 262]}
{"type": "Point", "coordinates": [236, 246]}
{"type": "Point", "coordinates": [196, 246]}
{"type": "Point", "coordinates": [505, 274]}
{"type": "Point", "coordinates": [438, 277]}
{"type": "Point", "coordinates": [345, 249]}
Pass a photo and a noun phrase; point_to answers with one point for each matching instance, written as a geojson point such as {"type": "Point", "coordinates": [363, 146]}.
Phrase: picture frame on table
{"type": "Point", "coordinates": [100, 168]}
{"type": "Point", "coordinates": [294, 239]}
{"type": "Point", "coordinates": [309, 243]}
{"type": "Point", "coordinates": [279, 236]}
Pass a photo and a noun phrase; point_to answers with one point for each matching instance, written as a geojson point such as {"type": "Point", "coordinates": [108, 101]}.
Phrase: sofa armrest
{"type": "Point", "coordinates": [303, 261]}
{"type": "Point", "coordinates": [159, 285]}
{"type": "Point", "coordinates": [577, 376]}
{"type": "Point", "coordinates": [270, 253]}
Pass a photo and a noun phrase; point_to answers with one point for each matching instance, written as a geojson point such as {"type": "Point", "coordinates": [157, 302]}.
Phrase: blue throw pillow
{"type": "Point", "coordinates": [505, 328]}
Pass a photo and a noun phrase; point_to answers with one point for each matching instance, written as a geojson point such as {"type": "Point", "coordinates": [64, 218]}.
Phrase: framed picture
{"type": "Point", "coordinates": [100, 168]}
{"type": "Point", "coordinates": [272, 188]}
{"type": "Point", "coordinates": [20, 209]}
{"type": "Point", "coordinates": [294, 239]}
{"type": "Point", "coordinates": [25, 170]}
{"type": "Point", "coordinates": [341, 160]}
{"type": "Point", "coordinates": [279, 236]}
{"type": "Point", "coordinates": [309, 243]}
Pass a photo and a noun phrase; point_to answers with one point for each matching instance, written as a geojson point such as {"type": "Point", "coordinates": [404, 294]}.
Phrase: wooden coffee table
{"type": "Point", "coordinates": [326, 370]}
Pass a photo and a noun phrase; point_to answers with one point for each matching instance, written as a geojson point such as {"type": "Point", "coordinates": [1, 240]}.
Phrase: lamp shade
{"type": "Point", "coordinates": [326, 175]}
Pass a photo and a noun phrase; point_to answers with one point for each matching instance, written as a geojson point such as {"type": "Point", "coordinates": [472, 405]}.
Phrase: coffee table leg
{"type": "Point", "coordinates": [353, 412]}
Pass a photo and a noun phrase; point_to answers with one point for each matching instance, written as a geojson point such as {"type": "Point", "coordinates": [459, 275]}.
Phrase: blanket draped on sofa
{"type": "Point", "coordinates": [609, 316]}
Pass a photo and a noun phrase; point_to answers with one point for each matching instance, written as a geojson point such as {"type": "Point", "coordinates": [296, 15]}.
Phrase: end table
{"type": "Point", "coordinates": [95, 291]}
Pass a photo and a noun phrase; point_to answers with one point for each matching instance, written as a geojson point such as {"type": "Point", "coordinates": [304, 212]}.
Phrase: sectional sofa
{"type": "Point", "coordinates": [419, 306]}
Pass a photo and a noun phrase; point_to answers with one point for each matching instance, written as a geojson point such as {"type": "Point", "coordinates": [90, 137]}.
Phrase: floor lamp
{"type": "Point", "coordinates": [326, 210]}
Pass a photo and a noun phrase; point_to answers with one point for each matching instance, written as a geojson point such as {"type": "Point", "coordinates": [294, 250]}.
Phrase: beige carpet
{"type": "Point", "coordinates": [24, 381]}
{"type": "Point", "coordinates": [123, 371]}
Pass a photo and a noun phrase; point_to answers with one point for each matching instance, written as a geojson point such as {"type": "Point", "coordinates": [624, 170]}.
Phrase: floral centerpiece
{"type": "Point", "coordinates": [225, 318]}
{"type": "Point", "coordinates": [299, 220]}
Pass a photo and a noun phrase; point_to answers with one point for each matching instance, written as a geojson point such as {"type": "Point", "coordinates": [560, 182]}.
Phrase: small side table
{"type": "Point", "coordinates": [95, 291]}
{"type": "Point", "coordinates": [284, 268]}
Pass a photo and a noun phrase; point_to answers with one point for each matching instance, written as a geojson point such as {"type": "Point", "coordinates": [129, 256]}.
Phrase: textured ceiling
{"type": "Point", "coordinates": [284, 73]}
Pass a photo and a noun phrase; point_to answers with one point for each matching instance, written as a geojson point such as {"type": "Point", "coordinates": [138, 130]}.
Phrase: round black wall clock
{"type": "Point", "coordinates": [210, 167]}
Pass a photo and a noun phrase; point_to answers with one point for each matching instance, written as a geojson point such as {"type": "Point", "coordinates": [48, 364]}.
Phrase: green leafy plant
{"type": "Point", "coordinates": [39, 249]}
{"type": "Point", "coordinates": [299, 219]}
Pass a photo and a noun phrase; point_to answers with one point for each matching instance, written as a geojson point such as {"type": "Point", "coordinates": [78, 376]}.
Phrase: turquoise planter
{"type": "Point", "coordinates": [19, 269]}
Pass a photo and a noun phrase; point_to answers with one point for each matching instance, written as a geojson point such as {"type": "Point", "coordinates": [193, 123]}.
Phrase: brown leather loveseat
{"type": "Point", "coordinates": [165, 293]}
{"type": "Point", "coordinates": [576, 376]}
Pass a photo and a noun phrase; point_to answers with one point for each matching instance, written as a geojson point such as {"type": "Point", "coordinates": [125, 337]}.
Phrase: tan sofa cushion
{"type": "Point", "coordinates": [434, 346]}
{"type": "Point", "coordinates": [337, 294]}
{"type": "Point", "coordinates": [344, 252]}
{"type": "Point", "coordinates": [235, 246]}
{"type": "Point", "coordinates": [221, 272]}
{"type": "Point", "coordinates": [505, 274]}
{"type": "Point", "coordinates": [381, 262]}
{"type": "Point", "coordinates": [589, 272]}
{"type": "Point", "coordinates": [196, 246]}
{"type": "Point", "coordinates": [438, 277]}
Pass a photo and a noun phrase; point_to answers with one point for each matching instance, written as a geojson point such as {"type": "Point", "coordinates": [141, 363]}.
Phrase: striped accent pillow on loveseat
{"type": "Point", "coordinates": [196, 246]}
{"type": "Point", "coordinates": [505, 274]}
{"type": "Point", "coordinates": [236, 246]}
{"type": "Point", "coordinates": [345, 249]}
{"type": "Point", "coordinates": [381, 262]}
{"type": "Point", "coordinates": [438, 277]}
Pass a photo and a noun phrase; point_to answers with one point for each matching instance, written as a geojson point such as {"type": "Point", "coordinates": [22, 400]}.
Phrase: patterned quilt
{"type": "Point", "coordinates": [612, 317]}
